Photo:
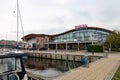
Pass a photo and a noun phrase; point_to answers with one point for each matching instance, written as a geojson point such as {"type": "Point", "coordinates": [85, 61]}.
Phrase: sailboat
{"type": "Point", "coordinates": [17, 20]}
{"type": "Point", "coordinates": [12, 68]}
{"type": "Point", "coordinates": [11, 63]}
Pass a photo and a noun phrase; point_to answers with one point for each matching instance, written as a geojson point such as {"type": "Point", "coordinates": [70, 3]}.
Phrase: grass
{"type": "Point", "coordinates": [112, 52]}
{"type": "Point", "coordinates": [117, 75]}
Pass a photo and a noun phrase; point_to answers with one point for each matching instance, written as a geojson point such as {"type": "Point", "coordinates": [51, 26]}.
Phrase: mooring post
{"type": "Point", "coordinates": [73, 58]}
{"type": "Point", "coordinates": [61, 56]}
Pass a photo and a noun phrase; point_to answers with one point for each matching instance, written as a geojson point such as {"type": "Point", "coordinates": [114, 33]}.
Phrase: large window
{"type": "Point", "coordinates": [82, 35]}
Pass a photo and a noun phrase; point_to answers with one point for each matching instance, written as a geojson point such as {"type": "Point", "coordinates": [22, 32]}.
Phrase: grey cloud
{"type": "Point", "coordinates": [108, 11]}
{"type": "Point", "coordinates": [52, 30]}
{"type": "Point", "coordinates": [56, 30]}
{"type": "Point", "coordinates": [109, 15]}
{"type": "Point", "coordinates": [43, 3]}
{"type": "Point", "coordinates": [79, 14]}
{"type": "Point", "coordinates": [59, 20]}
{"type": "Point", "coordinates": [114, 27]}
{"type": "Point", "coordinates": [104, 11]}
{"type": "Point", "coordinates": [39, 2]}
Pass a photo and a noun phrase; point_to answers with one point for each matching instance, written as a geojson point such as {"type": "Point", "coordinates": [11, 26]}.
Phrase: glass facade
{"type": "Point", "coordinates": [81, 35]}
{"type": "Point", "coordinates": [76, 38]}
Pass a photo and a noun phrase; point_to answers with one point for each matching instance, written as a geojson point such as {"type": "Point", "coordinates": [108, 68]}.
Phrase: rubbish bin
{"type": "Point", "coordinates": [85, 61]}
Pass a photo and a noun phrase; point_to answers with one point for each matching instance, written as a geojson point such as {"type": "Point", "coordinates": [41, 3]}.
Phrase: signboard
{"type": "Point", "coordinates": [80, 26]}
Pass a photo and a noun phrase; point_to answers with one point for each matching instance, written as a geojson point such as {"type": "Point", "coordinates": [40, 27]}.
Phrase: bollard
{"type": "Point", "coordinates": [87, 61]}
{"type": "Point", "coordinates": [105, 53]}
{"type": "Point", "coordinates": [92, 52]}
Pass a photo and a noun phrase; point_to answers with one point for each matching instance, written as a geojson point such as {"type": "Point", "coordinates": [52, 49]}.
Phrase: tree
{"type": "Point", "coordinates": [114, 39]}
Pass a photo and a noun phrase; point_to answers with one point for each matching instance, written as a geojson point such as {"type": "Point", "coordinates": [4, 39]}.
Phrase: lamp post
{"type": "Point", "coordinates": [85, 39]}
{"type": "Point", "coordinates": [78, 45]}
{"type": "Point", "coordinates": [66, 44]}
{"type": "Point", "coordinates": [75, 40]}
{"type": "Point", "coordinates": [92, 45]}
{"type": "Point", "coordinates": [56, 45]}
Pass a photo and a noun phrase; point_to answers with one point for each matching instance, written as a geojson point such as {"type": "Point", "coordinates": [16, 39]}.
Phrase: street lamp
{"type": "Point", "coordinates": [56, 45]}
{"type": "Point", "coordinates": [66, 44]}
{"type": "Point", "coordinates": [65, 40]}
{"type": "Point", "coordinates": [85, 39]}
{"type": "Point", "coordinates": [75, 40]}
{"type": "Point", "coordinates": [67, 61]}
{"type": "Point", "coordinates": [92, 45]}
{"type": "Point", "coordinates": [78, 45]}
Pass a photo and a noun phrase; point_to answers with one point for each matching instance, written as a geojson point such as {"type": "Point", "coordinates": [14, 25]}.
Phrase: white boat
{"type": "Point", "coordinates": [11, 67]}
{"type": "Point", "coordinates": [11, 62]}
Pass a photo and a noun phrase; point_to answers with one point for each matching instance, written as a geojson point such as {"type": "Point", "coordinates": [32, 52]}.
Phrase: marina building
{"type": "Point", "coordinates": [74, 39]}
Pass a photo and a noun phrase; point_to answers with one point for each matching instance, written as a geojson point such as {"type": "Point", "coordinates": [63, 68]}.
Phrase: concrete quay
{"type": "Point", "coordinates": [71, 56]}
{"type": "Point", "coordinates": [102, 69]}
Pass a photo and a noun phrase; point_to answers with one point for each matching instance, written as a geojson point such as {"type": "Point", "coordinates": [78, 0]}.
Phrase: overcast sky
{"type": "Point", "coordinates": [56, 16]}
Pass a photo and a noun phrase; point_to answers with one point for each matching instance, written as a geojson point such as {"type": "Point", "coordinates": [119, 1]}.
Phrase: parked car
{"type": "Point", "coordinates": [43, 48]}
{"type": "Point", "coordinates": [31, 48]}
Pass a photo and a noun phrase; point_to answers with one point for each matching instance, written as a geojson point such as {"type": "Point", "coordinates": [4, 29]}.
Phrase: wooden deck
{"type": "Point", "coordinates": [102, 69]}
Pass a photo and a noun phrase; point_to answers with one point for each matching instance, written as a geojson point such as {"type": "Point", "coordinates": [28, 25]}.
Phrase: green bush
{"type": "Point", "coordinates": [95, 48]}
{"type": "Point", "coordinates": [115, 49]}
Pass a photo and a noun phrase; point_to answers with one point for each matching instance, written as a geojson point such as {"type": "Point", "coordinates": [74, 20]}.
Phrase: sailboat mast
{"type": "Point", "coordinates": [17, 21]}
{"type": "Point", "coordinates": [19, 18]}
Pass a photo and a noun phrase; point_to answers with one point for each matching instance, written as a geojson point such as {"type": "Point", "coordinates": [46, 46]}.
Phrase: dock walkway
{"type": "Point", "coordinates": [103, 69]}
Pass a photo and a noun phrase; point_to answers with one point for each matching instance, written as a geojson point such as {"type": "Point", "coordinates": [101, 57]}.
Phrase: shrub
{"type": "Point", "coordinates": [95, 48]}
{"type": "Point", "coordinates": [115, 49]}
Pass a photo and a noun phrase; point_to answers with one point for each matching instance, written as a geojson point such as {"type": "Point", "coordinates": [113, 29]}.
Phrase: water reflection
{"type": "Point", "coordinates": [48, 68]}
{"type": "Point", "coordinates": [43, 64]}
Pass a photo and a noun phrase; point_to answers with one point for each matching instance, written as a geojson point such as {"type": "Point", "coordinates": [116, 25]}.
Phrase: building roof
{"type": "Point", "coordinates": [30, 36]}
{"type": "Point", "coordinates": [96, 28]}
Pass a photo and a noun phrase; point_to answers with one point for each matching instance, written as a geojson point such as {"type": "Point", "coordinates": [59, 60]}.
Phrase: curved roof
{"type": "Point", "coordinates": [30, 36]}
{"type": "Point", "coordinates": [96, 28]}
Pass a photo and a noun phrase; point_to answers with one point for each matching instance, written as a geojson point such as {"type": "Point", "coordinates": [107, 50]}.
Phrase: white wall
{"type": "Point", "coordinates": [31, 41]}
